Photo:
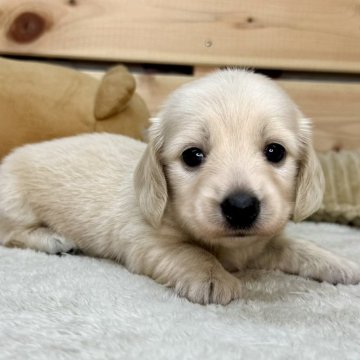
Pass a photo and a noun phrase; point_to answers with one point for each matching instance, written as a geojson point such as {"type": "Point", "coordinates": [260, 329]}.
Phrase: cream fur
{"type": "Point", "coordinates": [111, 196]}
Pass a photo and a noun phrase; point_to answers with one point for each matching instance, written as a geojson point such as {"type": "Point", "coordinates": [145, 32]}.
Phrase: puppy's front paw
{"type": "Point", "coordinates": [215, 287]}
{"type": "Point", "coordinates": [341, 271]}
{"type": "Point", "coordinates": [347, 273]}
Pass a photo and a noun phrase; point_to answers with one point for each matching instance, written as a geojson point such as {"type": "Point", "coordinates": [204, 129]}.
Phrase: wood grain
{"type": "Point", "coordinates": [290, 34]}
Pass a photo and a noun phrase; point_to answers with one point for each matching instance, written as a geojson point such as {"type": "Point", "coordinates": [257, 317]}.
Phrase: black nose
{"type": "Point", "coordinates": [240, 210]}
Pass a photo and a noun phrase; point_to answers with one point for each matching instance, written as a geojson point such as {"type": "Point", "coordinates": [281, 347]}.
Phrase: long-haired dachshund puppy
{"type": "Point", "coordinates": [229, 161]}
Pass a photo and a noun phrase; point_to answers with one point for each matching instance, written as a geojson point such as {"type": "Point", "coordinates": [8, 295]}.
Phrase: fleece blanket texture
{"type": "Point", "coordinates": [75, 307]}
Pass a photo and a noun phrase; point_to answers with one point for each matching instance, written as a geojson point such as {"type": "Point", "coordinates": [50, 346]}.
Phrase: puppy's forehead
{"type": "Point", "coordinates": [231, 102]}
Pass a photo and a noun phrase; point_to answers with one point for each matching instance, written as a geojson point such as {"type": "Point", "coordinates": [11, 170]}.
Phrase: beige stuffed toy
{"type": "Point", "coordinates": [341, 202]}
{"type": "Point", "coordinates": [41, 102]}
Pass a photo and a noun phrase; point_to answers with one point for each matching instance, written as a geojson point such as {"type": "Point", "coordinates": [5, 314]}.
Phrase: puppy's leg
{"type": "Point", "coordinates": [40, 239]}
{"type": "Point", "coordinates": [192, 271]}
{"type": "Point", "coordinates": [19, 225]}
{"type": "Point", "coordinates": [307, 260]}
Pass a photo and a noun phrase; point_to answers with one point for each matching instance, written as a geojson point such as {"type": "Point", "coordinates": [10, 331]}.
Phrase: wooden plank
{"type": "Point", "coordinates": [290, 34]}
{"type": "Point", "coordinates": [334, 109]}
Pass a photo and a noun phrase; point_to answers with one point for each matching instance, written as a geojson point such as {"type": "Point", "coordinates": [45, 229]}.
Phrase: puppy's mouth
{"type": "Point", "coordinates": [229, 232]}
{"type": "Point", "coordinates": [252, 231]}
{"type": "Point", "coordinates": [242, 235]}
{"type": "Point", "coordinates": [239, 234]}
{"type": "Point", "coordinates": [242, 232]}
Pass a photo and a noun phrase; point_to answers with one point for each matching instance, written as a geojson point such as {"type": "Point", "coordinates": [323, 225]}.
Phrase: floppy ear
{"type": "Point", "coordinates": [310, 180]}
{"type": "Point", "coordinates": [150, 182]}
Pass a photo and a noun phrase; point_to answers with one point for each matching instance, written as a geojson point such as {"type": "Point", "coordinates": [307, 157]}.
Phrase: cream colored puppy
{"type": "Point", "coordinates": [229, 162]}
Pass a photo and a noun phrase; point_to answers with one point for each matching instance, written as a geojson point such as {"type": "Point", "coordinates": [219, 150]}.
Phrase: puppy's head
{"type": "Point", "coordinates": [229, 155]}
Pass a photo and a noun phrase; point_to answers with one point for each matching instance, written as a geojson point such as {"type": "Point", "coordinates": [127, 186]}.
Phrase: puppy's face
{"type": "Point", "coordinates": [231, 148]}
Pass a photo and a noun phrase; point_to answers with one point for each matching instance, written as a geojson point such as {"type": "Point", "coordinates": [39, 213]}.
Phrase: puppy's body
{"type": "Point", "coordinates": [111, 196]}
{"type": "Point", "coordinates": [85, 179]}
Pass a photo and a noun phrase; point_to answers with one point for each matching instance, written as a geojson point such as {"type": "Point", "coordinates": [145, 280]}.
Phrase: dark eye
{"type": "Point", "coordinates": [274, 153]}
{"type": "Point", "coordinates": [193, 157]}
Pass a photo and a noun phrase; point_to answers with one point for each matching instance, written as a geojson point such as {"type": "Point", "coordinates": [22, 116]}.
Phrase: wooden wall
{"type": "Point", "coordinates": [289, 34]}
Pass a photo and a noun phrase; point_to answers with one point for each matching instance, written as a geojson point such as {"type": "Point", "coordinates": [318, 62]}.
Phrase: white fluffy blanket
{"type": "Point", "coordinates": [74, 307]}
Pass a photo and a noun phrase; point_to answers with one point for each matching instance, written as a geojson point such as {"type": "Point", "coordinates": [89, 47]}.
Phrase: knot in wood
{"type": "Point", "coordinates": [27, 27]}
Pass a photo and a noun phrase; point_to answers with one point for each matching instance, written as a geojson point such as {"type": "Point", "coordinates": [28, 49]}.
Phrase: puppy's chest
{"type": "Point", "coordinates": [232, 262]}
{"type": "Point", "coordinates": [237, 258]}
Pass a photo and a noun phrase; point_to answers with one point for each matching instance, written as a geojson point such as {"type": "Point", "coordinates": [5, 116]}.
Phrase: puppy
{"type": "Point", "coordinates": [229, 162]}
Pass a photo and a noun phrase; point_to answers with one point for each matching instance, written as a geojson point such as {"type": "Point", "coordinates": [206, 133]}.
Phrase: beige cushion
{"type": "Point", "coordinates": [341, 201]}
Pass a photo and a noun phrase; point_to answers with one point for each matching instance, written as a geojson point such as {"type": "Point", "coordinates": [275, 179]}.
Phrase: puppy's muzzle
{"type": "Point", "coordinates": [240, 210]}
